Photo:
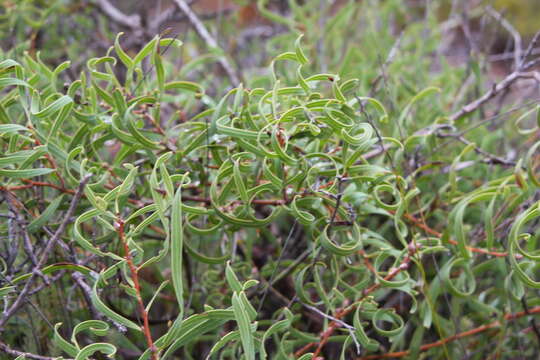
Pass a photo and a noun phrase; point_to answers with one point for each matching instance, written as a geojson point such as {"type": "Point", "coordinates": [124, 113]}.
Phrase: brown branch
{"type": "Point", "coordinates": [480, 329]}
{"type": "Point", "coordinates": [534, 325]}
{"type": "Point", "coordinates": [41, 183]}
{"type": "Point", "coordinates": [435, 233]}
{"type": "Point", "coordinates": [135, 278]}
{"type": "Point", "coordinates": [45, 253]}
{"type": "Point", "coordinates": [325, 336]}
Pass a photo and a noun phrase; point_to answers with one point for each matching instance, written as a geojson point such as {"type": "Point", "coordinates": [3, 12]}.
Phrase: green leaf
{"type": "Point", "coordinates": [177, 240]}
{"type": "Point", "coordinates": [55, 106]}
{"type": "Point", "coordinates": [11, 128]}
{"type": "Point", "coordinates": [244, 326]}
{"type": "Point", "coordinates": [25, 174]}
{"type": "Point", "coordinates": [89, 350]}
{"type": "Point", "coordinates": [42, 219]}
{"type": "Point", "coordinates": [65, 346]}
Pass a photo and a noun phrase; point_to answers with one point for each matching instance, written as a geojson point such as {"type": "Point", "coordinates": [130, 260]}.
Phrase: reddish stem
{"type": "Point", "coordinates": [46, 184]}
{"type": "Point", "coordinates": [430, 231]}
{"type": "Point", "coordinates": [137, 287]}
{"type": "Point", "coordinates": [325, 336]}
{"type": "Point", "coordinates": [449, 339]}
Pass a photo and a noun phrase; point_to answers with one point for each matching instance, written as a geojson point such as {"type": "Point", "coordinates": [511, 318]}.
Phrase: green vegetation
{"type": "Point", "coordinates": [355, 197]}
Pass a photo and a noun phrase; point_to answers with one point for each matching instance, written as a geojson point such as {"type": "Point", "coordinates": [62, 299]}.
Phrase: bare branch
{"type": "Point", "coordinates": [343, 324]}
{"type": "Point", "coordinates": [531, 46]}
{"type": "Point", "coordinates": [210, 41]}
{"type": "Point", "coordinates": [488, 157]}
{"type": "Point", "coordinates": [130, 21]}
{"type": "Point", "coordinates": [10, 351]}
{"type": "Point", "coordinates": [494, 91]}
{"type": "Point", "coordinates": [46, 252]}
{"type": "Point", "coordinates": [515, 34]}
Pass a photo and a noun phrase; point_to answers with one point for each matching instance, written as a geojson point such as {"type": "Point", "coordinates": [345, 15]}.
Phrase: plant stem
{"type": "Point", "coordinates": [136, 285]}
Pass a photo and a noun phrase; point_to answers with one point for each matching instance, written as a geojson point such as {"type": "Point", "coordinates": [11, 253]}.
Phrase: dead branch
{"type": "Point", "coordinates": [46, 252]}
{"type": "Point", "coordinates": [131, 21]}
{"type": "Point", "coordinates": [210, 41]}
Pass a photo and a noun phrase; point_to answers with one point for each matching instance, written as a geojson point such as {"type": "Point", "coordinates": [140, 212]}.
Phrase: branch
{"type": "Point", "coordinates": [349, 328]}
{"type": "Point", "coordinates": [529, 52]}
{"type": "Point", "coordinates": [135, 278]}
{"type": "Point", "coordinates": [534, 325]}
{"type": "Point", "coordinates": [494, 91]}
{"type": "Point", "coordinates": [325, 336]}
{"type": "Point", "coordinates": [46, 252]}
{"type": "Point", "coordinates": [435, 233]}
{"type": "Point", "coordinates": [515, 34]}
{"type": "Point", "coordinates": [210, 41]}
{"type": "Point", "coordinates": [520, 68]}
{"type": "Point", "coordinates": [480, 329]}
{"type": "Point", "coordinates": [131, 21]}
{"type": "Point", "coordinates": [489, 158]}
{"type": "Point", "coordinates": [10, 351]}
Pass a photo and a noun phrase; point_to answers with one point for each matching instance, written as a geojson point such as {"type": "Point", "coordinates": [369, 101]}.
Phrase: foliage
{"type": "Point", "coordinates": [307, 213]}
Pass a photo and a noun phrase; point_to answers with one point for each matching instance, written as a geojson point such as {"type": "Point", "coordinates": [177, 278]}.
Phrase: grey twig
{"type": "Point", "coordinates": [389, 59]}
{"type": "Point", "coordinates": [530, 49]}
{"type": "Point", "coordinates": [489, 158]}
{"type": "Point", "coordinates": [520, 68]}
{"type": "Point", "coordinates": [343, 324]}
{"type": "Point", "coordinates": [494, 91]}
{"type": "Point", "coordinates": [210, 41]}
{"type": "Point", "coordinates": [130, 21]}
{"type": "Point", "coordinates": [46, 252]}
{"type": "Point", "coordinates": [10, 351]}
{"type": "Point", "coordinates": [281, 254]}
{"type": "Point", "coordinates": [515, 34]}
{"type": "Point", "coordinates": [510, 55]}
{"type": "Point", "coordinates": [87, 294]}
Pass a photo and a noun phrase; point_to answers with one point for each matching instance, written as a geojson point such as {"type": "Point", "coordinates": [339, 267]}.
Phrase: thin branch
{"type": "Point", "coordinates": [494, 91]}
{"type": "Point", "coordinates": [480, 329]}
{"type": "Point", "coordinates": [532, 46]}
{"type": "Point", "coordinates": [131, 21]}
{"type": "Point", "coordinates": [527, 65]}
{"type": "Point", "coordinates": [515, 34]}
{"type": "Point", "coordinates": [520, 68]}
{"type": "Point", "coordinates": [343, 324]}
{"type": "Point", "coordinates": [86, 291]}
{"type": "Point", "coordinates": [325, 336]}
{"type": "Point", "coordinates": [509, 55]}
{"type": "Point", "coordinates": [207, 37]}
{"type": "Point", "coordinates": [435, 233]}
{"type": "Point", "coordinates": [135, 278]}
{"type": "Point", "coordinates": [46, 252]}
{"type": "Point", "coordinates": [10, 351]}
{"type": "Point", "coordinates": [274, 271]}
{"type": "Point", "coordinates": [489, 158]}
{"type": "Point", "coordinates": [534, 325]}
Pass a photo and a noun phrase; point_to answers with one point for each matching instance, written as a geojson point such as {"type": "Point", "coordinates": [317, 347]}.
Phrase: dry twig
{"type": "Point", "coordinates": [45, 253]}
{"type": "Point", "coordinates": [210, 41]}
{"type": "Point", "coordinates": [131, 21]}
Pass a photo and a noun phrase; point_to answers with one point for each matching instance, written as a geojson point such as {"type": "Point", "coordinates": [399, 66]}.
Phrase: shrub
{"type": "Point", "coordinates": [302, 218]}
